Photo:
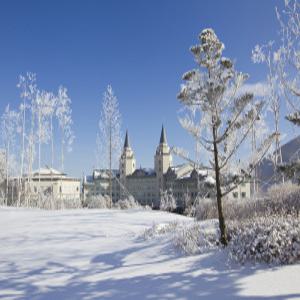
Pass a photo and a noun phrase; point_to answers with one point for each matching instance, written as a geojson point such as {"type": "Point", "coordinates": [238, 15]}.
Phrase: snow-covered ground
{"type": "Point", "coordinates": [99, 254]}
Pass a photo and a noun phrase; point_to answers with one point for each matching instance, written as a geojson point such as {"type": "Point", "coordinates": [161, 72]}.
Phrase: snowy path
{"type": "Point", "coordinates": [96, 254]}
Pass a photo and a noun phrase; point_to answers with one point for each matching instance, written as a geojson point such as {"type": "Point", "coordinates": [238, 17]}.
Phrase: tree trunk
{"type": "Point", "coordinates": [40, 135]}
{"type": "Point", "coordinates": [110, 173]}
{"type": "Point", "coordinates": [52, 161]}
{"type": "Point", "coordinates": [222, 226]}
{"type": "Point", "coordinates": [22, 153]}
{"type": "Point", "coordinates": [7, 173]}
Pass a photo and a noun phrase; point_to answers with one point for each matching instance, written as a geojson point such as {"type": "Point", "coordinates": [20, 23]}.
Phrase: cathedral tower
{"type": "Point", "coordinates": [162, 158]}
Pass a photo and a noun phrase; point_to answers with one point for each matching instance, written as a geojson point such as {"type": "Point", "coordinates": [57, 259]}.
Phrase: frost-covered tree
{"type": "Point", "coordinates": [9, 129]}
{"type": "Point", "coordinates": [213, 91]}
{"type": "Point", "coordinates": [167, 201]}
{"type": "Point", "coordinates": [40, 108]}
{"type": "Point", "coordinates": [41, 117]}
{"type": "Point", "coordinates": [109, 135]}
{"type": "Point", "coordinates": [28, 88]}
{"type": "Point", "coordinates": [50, 110]}
{"type": "Point", "coordinates": [2, 175]}
{"type": "Point", "coordinates": [64, 116]}
{"type": "Point", "coordinates": [288, 54]}
{"type": "Point", "coordinates": [265, 54]}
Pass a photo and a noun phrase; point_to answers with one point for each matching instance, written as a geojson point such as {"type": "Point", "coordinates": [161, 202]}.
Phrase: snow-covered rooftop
{"type": "Point", "coordinates": [47, 171]}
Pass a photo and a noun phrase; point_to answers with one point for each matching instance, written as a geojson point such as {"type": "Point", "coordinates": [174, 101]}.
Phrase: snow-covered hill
{"type": "Point", "coordinates": [99, 254]}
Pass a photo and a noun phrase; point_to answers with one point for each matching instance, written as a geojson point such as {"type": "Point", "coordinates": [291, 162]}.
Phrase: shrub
{"type": "Point", "coordinates": [127, 203]}
{"type": "Point", "coordinates": [194, 238]}
{"type": "Point", "coordinates": [159, 230]}
{"type": "Point", "coordinates": [273, 240]}
{"type": "Point", "coordinates": [97, 202]}
{"type": "Point", "coordinates": [206, 209]}
{"type": "Point", "coordinates": [283, 199]}
{"type": "Point", "coordinates": [167, 201]}
{"type": "Point", "coordinates": [188, 238]}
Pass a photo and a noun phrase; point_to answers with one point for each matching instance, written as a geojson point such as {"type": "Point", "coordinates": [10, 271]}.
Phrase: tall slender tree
{"type": "Point", "coordinates": [109, 136]}
{"type": "Point", "coordinates": [265, 54]}
{"type": "Point", "coordinates": [40, 108]}
{"type": "Point", "coordinates": [28, 87]}
{"type": "Point", "coordinates": [9, 129]}
{"type": "Point", "coordinates": [286, 56]}
{"type": "Point", "coordinates": [226, 115]}
{"type": "Point", "coordinates": [64, 116]}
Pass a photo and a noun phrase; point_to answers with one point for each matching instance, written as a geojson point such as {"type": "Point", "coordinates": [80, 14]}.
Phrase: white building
{"type": "Point", "coordinates": [52, 182]}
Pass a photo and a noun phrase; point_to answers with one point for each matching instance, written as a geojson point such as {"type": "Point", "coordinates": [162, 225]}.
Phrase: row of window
{"type": "Point", "coordinates": [236, 194]}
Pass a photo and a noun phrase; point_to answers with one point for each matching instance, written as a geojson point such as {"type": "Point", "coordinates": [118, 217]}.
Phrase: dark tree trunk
{"type": "Point", "coordinates": [222, 226]}
{"type": "Point", "coordinates": [110, 166]}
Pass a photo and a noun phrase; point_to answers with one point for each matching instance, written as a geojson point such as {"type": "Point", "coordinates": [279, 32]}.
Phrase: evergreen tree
{"type": "Point", "coordinates": [226, 116]}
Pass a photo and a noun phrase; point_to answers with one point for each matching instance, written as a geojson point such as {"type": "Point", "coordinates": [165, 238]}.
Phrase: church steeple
{"type": "Point", "coordinates": [162, 159]}
{"type": "Point", "coordinates": [127, 160]}
{"type": "Point", "coordinates": [163, 139]}
{"type": "Point", "coordinates": [126, 143]}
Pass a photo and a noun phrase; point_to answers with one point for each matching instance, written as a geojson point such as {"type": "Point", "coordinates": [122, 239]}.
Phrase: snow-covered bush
{"type": "Point", "coordinates": [283, 199]}
{"type": "Point", "coordinates": [273, 240]}
{"type": "Point", "coordinates": [159, 230]}
{"type": "Point", "coordinates": [206, 209]}
{"type": "Point", "coordinates": [127, 203]}
{"type": "Point", "coordinates": [187, 204]}
{"type": "Point", "coordinates": [97, 202]}
{"type": "Point", "coordinates": [189, 238]}
{"type": "Point", "coordinates": [46, 201]}
{"type": "Point", "coordinates": [195, 238]}
{"type": "Point", "coordinates": [167, 201]}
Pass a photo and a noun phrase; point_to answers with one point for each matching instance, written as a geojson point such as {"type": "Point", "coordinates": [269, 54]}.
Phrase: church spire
{"type": "Point", "coordinates": [126, 143]}
{"type": "Point", "coordinates": [163, 139]}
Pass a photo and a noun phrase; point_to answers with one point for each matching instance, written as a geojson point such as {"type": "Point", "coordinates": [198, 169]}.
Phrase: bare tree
{"type": "Point", "coordinates": [9, 129]}
{"type": "Point", "coordinates": [265, 54]}
{"type": "Point", "coordinates": [287, 57]}
{"type": "Point", "coordinates": [64, 116]}
{"type": "Point", "coordinates": [2, 176]}
{"type": "Point", "coordinates": [28, 87]}
{"type": "Point", "coordinates": [226, 117]}
{"type": "Point", "coordinates": [40, 109]}
{"type": "Point", "coordinates": [109, 136]}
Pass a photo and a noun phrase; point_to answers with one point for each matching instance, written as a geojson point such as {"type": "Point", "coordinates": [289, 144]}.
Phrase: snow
{"type": "Point", "coordinates": [47, 171]}
{"type": "Point", "coordinates": [100, 254]}
{"type": "Point", "coordinates": [210, 180]}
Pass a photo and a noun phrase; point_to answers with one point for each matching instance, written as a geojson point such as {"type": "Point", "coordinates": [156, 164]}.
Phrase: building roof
{"type": "Point", "coordinates": [104, 173]}
{"type": "Point", "coordinates": [47, 171]}
{"type": "Point", "coordinates": [143, 173]}
{"type": "Point", "coordinates": [50, 174]}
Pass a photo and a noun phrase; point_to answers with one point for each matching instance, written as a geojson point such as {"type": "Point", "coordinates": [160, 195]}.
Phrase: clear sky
{"type": "Point", "coordinates": [139, 47]}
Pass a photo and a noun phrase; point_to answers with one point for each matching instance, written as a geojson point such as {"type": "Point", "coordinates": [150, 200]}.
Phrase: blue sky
{"type": "Point", "coordinates": [139, 47]}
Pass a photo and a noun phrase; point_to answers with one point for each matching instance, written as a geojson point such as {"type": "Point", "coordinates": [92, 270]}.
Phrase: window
{"type": "Point", "coordinates": [235, 194]}
{"type": "Point", "coordinates": [243, 195]}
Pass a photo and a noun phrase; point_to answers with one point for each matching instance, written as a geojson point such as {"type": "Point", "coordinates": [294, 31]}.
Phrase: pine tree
{"type": "Point", "coordinates": [226, 116]}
